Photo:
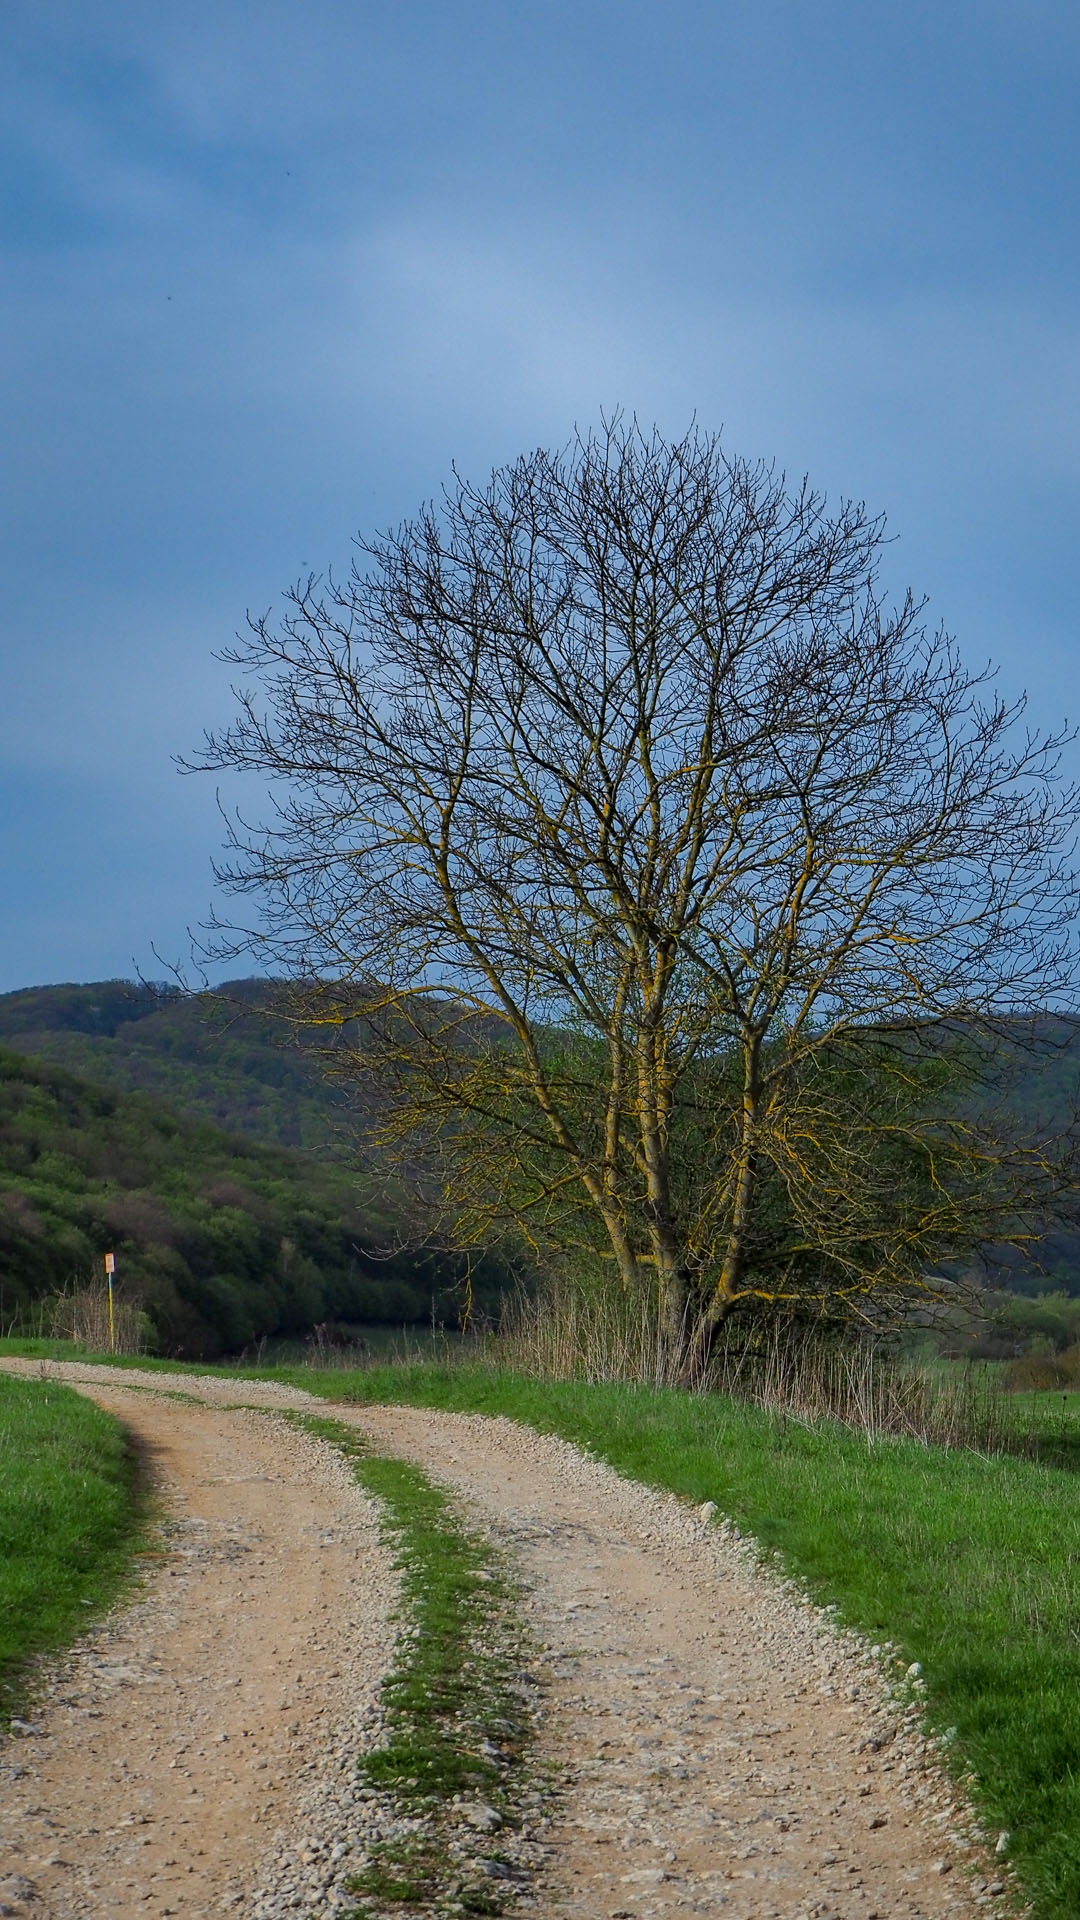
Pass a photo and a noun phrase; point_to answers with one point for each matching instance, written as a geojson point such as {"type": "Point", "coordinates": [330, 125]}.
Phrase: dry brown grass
{"type": "Point", "coordinates": [572, 1333]}
{"type": "Point", "coordinates": [567, 1332]}
{"type": "Point", "coordinates": [1044, 1372]}
{"type": "Point", "coordinates": [866, 1385]}
{"type": "Point", "coordinates": [82, 1315]}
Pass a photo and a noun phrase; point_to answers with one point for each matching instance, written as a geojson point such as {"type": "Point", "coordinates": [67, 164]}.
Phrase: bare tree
{"type": "Point", "coordinates": [663, 865]}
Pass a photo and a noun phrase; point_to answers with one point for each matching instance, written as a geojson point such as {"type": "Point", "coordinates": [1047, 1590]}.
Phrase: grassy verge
{"type": "Point", "coordinates": [29, 1347]}
{"type": "Point", "coordinates": [69, 1522]}
{"type": "Point", "coordinates": [456, 1725]}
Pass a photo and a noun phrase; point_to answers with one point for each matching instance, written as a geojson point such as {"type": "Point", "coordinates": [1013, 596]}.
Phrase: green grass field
{"type": "Point", "coordinates": [69, 1522]}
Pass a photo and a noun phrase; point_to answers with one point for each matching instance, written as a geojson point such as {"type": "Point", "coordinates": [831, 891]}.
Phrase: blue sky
{"type": "Point", "coordinates": [269, 269]}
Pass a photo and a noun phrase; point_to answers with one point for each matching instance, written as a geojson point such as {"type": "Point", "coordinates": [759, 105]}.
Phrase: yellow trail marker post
{"type": "Point", "coordinates": [110, 1269]}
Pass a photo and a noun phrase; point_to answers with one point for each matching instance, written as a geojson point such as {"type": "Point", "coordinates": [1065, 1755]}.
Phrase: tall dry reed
{"type": "Point", "coordinates": [566, 1332]}
{"type": "Point", "coordinates": [863, 1383]}
{"type": "Point", "coordinates": [573, 1333]}
{"type": "Point", "coordinates": [82, 1315]}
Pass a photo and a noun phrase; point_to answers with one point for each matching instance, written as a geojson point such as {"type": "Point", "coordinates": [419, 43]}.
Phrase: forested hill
{"type": "Point", "coordinates": [176, 1140]}
{"type": "Point", "coordinates": [222, 1238]}
{"type": "Point", "coordinates": [218, 1056]}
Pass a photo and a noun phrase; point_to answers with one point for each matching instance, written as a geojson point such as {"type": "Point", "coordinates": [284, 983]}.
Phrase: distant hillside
{"type": "Point", "coordinates": [221, 1238]}
{"type": "Point", "coordinates": [223, 1058]}
{"type": "Point", "coordinates": [1041, 1091]}
{"type": "Point", "coordinates": [218, 1056]}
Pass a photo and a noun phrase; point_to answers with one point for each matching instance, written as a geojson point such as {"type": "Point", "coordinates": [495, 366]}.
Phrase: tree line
{"type": "Point", "coordinates": [218, 1240]}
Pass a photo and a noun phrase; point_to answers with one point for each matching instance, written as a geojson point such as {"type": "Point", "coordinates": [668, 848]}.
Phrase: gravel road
{"type": "Point", "coordinates": [725, 1750]}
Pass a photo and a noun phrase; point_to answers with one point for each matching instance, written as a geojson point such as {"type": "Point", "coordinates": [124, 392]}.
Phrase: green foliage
{"type": "Point", "coordinates": [214, 1056]}
{"type": "Point", "coordinates": [441, 1678]}
{"type": "Point", "coordinates": [68, 1521]}
{"type": "Point", "coordinates": [220, 1238]}
{"type": "Point", "coordinates": [967, 1563]}
{"type": "Point", "coordinates": [884, 1165]}
{"type": "Point", "coordinates": [1040, 1323]}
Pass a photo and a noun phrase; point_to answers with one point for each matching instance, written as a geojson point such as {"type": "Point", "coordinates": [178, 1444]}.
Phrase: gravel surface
{"type": "Point", "coordinates": [726, 1748]}
{"type": "Point", "coordinates": [171, 1758]}
{"type": "Point", "coordinates": [723, 1747]}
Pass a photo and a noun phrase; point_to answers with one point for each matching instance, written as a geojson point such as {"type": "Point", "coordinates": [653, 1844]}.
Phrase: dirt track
{"type": "Point", "coordinates": [725, 1752]}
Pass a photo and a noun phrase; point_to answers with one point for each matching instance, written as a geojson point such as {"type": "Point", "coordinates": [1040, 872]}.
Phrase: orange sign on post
{"type": "Point", "coordinates": [110, 1269]}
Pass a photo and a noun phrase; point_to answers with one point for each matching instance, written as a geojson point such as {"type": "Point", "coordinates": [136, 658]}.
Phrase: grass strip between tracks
{"type": "Point", "coordinates": [457, 1728]}
{"type": "Point", "coordinates": [70, 1523]}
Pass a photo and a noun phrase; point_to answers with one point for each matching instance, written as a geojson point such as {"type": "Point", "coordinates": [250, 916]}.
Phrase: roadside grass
{"type": "Point", "coordinates": [455, 1721]}
{"type": "Point", "coordinates": [1039, 1424]}
{"type": "Point", "coordinates": [70, 1522]}
{"type": "Point", "coordinates": [30, 1347]}
{"type": "Point", "coordinates": [1049, 1423]}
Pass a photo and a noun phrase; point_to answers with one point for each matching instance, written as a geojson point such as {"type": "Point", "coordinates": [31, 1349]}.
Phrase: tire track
{"type": "Point", "coordinates": [173, 1744]}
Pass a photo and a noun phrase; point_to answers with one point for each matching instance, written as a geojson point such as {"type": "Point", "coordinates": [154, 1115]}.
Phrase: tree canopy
{"type": "Point", "coordinates": [665, 867]}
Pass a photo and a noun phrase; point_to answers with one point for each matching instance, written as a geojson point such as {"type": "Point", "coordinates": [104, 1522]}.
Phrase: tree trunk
{"type": "Point", "coordinates": [699, 1338]}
